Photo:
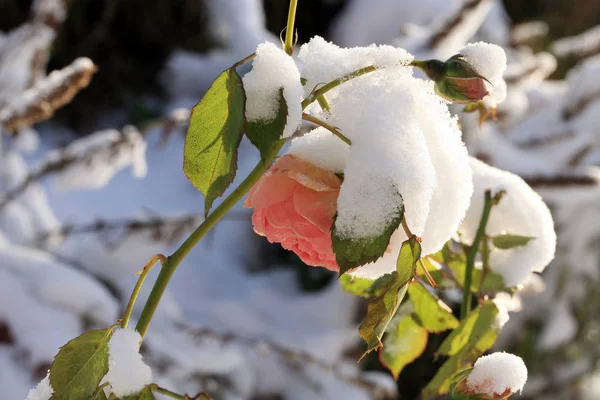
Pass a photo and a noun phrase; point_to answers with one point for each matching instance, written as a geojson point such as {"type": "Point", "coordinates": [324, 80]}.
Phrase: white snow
{"type": "Point", "coordinates": [322, 148]}
{"type": "Point", "coordinates": [273, 70]}
{"type": "Point", "coordinates": [127, 372]}
{"type": "Point", "coordinates": [43, 391]}
{"type": "Point", "coordinates": [323, 61]}
{"type": "Point", "coordinates": [495, 373]}
{"type": "Point", "coordinates": [521, 211]}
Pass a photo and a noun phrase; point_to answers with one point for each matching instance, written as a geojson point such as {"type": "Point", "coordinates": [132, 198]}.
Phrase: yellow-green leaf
{"type": "Point", "coordinates": [265, 134]}
{"type": "Point", "coordinates": [509, 241]}
{"type": "Point", "coordinates": [212, 140]}
{"type": "Point", "coordinates": [381, 309]}
{"type": "Point", "coordinates": [80, 365]}
{"type": "Point", "coordinates": [366, 288]}
{"type": "Point", "coordinates": [433, 313]}
{"type": "Point", "coordinates": [403, 344]}
{"type": "Point", "coordinates": [479, 322]}
{"type": "Point", "coordinates": [351, 253]}
{"type": "Point", "coordinates": [465, 344]}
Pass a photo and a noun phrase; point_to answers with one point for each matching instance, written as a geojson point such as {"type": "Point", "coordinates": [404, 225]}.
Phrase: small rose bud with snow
{"type": "Point", "coordinates": [495, 376]}
{"type": "Point", "coordinates": [473, 75]}
{"type": "Point", "coordinates": [294, 204]}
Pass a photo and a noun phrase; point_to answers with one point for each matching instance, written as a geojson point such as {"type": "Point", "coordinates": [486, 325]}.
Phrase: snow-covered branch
{"type": "Point", "coordinates": [49, 94]}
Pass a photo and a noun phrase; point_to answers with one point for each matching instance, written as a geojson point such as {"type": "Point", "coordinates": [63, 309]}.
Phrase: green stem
{"type": "Point", "coordinates": [157, 389]}
{"type": "Point", "coordinates": [138, 286]}
{"type": "Point", "coordinates": [485, 260]}
{"type": "Point", "coordinates": [289, 30]}
{"type": "Point", "coordinates": [175, 259]}
{"type": "Point", "coordinates": [327, 87]}
{"type": "Point", "coordinates": [323, 103]}
{"type": "Point", "coordinates": [331, 128]}
{"type": "Point", "coordinates": [472, 253]}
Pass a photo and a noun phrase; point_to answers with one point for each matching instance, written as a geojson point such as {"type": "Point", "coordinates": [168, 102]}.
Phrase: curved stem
{"type": "Point", "coordinates": [138, 286]}
{"type": "Point", "coordinates": [335, 83]}
{"type": "Point", "coordinates": [175, 259]}
{"type": "Point", "coordinates": [331, 128]}
{"type": "Point", "coordinates": [288, 47]}
{"type": "Point", "coordinates": [472, 253]}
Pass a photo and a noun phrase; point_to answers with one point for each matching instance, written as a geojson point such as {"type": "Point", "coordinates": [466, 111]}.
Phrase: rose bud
{"type": "Point", "coordinates": [294, 204]}
{"type": "Point", "coordinates": [455, 80]}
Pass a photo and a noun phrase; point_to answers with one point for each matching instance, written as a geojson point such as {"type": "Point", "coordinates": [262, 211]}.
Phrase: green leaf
{"type": "Point", "coordinates": [403, 344]}
{"type": "Point", "coordinates": [80, 365]}
{"type": "Point", "coordinates": [215, 131]}
{"type": "Point", "coordinates": [351, 253]}
{"type": "Point", "coordinates": [433, 313]}
{"type": "Point", "coordinates": [365, 288]}
{"type": "Point", "coordinates": [406, 265]}
{"type": "Point", "coordinates": [479, 322]}
{"type": "Point", "coordinates": [265, 134]}
{"type": "Point", "coordinates": [509, 241]}
{"type": "Point", "coordinates": [382, 308]}
{"type": "Point", "coordinates": [144, 394]}
{"type": "Point", "coordinates": [468, 342]}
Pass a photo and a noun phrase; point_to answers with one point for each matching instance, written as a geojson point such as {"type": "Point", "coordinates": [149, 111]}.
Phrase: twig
{"type": "Point", "coordinates": [163, 229]}
{"type": "Point", "coordinates": [330, 128]}
{"type": "Point", "coordinates": [60, 163]}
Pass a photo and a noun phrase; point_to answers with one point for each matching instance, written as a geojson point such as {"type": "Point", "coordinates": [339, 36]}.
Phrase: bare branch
{"type": "Point", "coordinates": [287, 355]}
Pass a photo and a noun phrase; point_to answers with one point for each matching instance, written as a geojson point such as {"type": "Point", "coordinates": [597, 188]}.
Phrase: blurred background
{"type": "Point", "coordinates": [91, 186]}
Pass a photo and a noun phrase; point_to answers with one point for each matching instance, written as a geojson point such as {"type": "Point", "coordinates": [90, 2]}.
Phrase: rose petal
{"type": "Point", "coordinates": [317, 207]}
{"type": "Point", "coordinates": [258, 222]}
{"type": "Point", "coordinates": [274, 187]}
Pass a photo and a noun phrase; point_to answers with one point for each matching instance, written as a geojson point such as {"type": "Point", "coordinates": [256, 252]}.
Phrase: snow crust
{"type": "Point", "coordinates": [43, 390]}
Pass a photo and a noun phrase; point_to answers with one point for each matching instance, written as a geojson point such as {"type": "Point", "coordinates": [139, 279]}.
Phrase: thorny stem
{"type": "Point", "coordinates": [175, 259]}
{"type": "Point", "coordinates": [472, 253]}
{"type": "Point", "coordinates": [138, 286]}
{"type": "Point", "coordinates": [288, 47]}
{"type": "Point", "coordinates": [331, 128]}
{"type": "Point", "coordinates": [335, 83]}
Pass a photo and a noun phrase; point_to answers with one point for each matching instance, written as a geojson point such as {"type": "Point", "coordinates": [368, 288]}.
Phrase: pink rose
{"type": "Point", "coordinates": [294, 204]}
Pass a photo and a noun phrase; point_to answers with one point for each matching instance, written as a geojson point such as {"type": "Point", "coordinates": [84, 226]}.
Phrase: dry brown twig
{"type": "Point", "coordinates": [41, 101]}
